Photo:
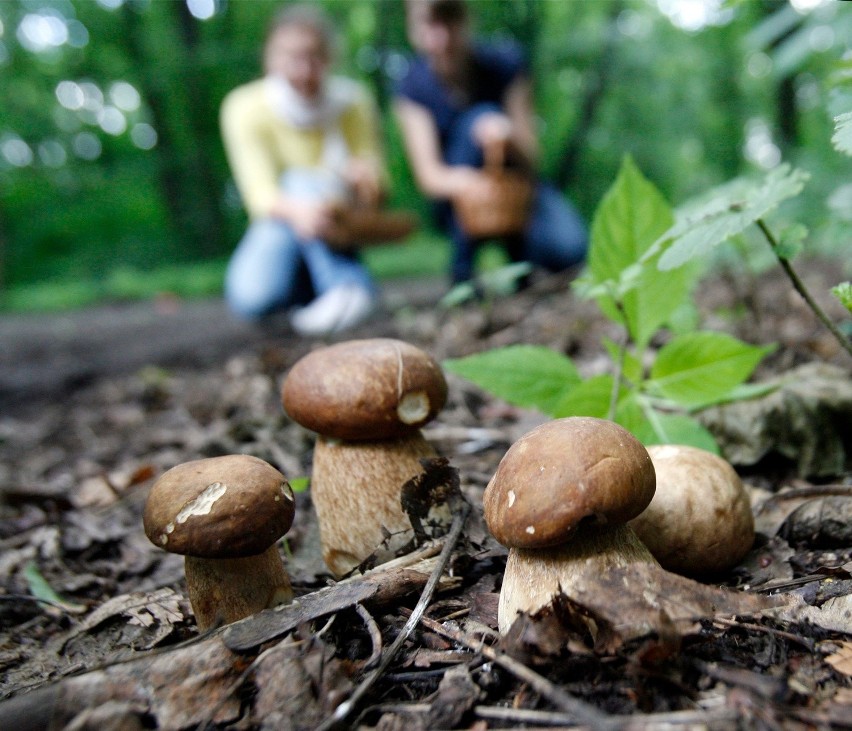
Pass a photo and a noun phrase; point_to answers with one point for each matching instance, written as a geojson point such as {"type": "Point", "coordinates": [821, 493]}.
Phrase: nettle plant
{"type": "Point", "coordinates": [642, 269]}
{"type": "Point", "coordinates": [654, 393]}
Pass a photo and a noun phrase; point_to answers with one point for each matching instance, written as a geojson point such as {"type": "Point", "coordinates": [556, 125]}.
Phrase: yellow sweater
{"type": "Point", "coordinates": [261, 146]}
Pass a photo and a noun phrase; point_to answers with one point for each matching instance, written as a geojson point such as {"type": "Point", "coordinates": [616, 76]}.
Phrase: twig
{"type": "Point", "coordinates": [345, 708]}
{"type": "Point", "coordinates": [811, 491]}
{"type": "Point", "coordinates": [550, 718]}
{"type": "Point", "coordinates": [375, 635]}
{"type": "Point", "coordinates": [579, 710]}
{"type": "Point", "coordinates": [803, 290]}
{"type": "Point", "coordinates": [619, 365]}
{"type": "Point", "coordinates": [803, 641]}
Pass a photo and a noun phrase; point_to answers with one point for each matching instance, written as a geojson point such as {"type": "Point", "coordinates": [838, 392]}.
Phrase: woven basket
{"type": "Point", "coordinates": [499, 208]}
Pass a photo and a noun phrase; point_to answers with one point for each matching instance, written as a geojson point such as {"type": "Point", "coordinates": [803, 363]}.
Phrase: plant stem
{"type": "Point", "coordinates": [619, 366]}
{"type": "Point", "coordinates": [800, 287]}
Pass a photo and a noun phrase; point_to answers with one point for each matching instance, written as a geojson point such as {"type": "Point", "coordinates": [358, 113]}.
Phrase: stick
{"type": "Point", "coordinates": [580, 710]}
{"type": "Point", "coordinates": [375, 635]}
{"type": "Point", "coordinates": [345, 708]}
{"type": "Point", "coordinates": [800, 287]}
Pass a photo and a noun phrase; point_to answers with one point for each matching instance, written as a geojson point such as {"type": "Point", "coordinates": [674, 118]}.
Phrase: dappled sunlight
{"type": "Point", "coordinates": [759, 145]}
{"type": "Point", "coordinates": [695, 15]}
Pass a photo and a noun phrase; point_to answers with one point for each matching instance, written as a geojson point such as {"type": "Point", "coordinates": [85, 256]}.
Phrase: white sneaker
{"type": "Point", "coordinates": [338, 309]}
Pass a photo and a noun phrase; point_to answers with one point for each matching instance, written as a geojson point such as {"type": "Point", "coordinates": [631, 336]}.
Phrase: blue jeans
{"type": "Point", "coordinates": [273, 269]}
{"type": "Point", "coordinates": [555, 237]}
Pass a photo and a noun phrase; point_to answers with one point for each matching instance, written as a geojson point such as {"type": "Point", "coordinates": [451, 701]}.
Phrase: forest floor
{"type": "Point", "coordinates": [96, 632]}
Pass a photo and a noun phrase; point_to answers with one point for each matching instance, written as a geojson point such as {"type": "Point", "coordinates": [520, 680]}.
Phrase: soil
{"type": "Point", "coordinates": [97, 633]}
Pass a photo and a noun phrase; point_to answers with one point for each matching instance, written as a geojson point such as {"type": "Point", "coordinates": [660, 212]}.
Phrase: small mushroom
{"type": "Point", "coordinates": [560, 501]}
{"type": "Point", "coordinates": [225, 515]}
{"type": "Point", "coordinates": [700, 521]}
{"type": "Point", "coordinates": [367, 400]}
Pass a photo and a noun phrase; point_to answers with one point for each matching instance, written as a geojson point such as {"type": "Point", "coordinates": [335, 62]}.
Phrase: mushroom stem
{"type": "Point", "coordinates": [355, 488]}
{"type": "Point", "coordinates": [535, 575]}
{"type": "Point", "coordinates": [224, 590]}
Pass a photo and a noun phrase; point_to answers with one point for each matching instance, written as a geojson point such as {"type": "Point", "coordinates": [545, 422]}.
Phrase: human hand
{"type": "Point", "coordinates": [492, 129]}
{"type": "Point", "coordinates": [312, 219]}
{"type": "Point", "coordinates": [461, 179]}
{"type": "Point", "coordinates": [364, 178]}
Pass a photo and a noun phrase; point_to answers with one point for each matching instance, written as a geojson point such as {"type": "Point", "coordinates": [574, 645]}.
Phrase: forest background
{"type": "Point", "coordinates": [114, 184]}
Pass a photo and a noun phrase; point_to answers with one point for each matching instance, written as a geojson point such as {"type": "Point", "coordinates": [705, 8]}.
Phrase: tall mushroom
{"type": "Point", "coordinates": [700, 521]}
{"type": "Point", "coordinates": [366, 399]}
{"type": "Point", "coordinates": [560, 500]}
{"type": "Point", "coordinates": [225, 515]}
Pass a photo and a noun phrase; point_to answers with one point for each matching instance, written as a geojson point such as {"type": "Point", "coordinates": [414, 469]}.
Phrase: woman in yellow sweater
{"type": "Point", "coordinates": [300, 143]}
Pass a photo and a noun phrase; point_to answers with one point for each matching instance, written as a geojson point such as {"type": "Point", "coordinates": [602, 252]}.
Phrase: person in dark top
{"type": "Point", "coordinates": [458, 98]}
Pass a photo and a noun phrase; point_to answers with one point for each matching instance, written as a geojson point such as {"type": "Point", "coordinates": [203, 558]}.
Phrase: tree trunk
{"type": "Point", "coordinates": [172, 88]}
{"type": "Point", "coordinates": [595, 93]}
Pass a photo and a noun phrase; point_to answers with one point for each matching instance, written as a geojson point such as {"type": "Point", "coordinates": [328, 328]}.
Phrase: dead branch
{"type": "Point", "coordinates": [344, 709]}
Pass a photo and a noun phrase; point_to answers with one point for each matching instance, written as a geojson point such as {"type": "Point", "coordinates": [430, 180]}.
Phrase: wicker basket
{"type": "Point", "coordinates": [498, 208]}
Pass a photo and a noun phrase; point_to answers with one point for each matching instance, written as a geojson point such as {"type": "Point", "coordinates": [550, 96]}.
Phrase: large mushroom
{"type": "Point", "coordinates": [366, 400]}
{"type": "Point", "coordinates": [700, 521]}
{"type": "Point", "coordinates": [560, 501]}
{"type": "Point", "coordinates": [225, 515]}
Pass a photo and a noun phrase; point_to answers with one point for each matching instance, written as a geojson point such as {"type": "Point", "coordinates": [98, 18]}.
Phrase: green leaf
{"type": "Point", "coordinates": [589, 398]}
{"type": "Point", "coordinates": [662, 428]}
{"type": "Point", "coordinates": [43, 591]}
{"type": "Point", "coordinates": [842, 138]}
{"type": "Point", "coordinates": [299, 484]}
{"type": "Point", "coordinates": [631, 366]}
{"type": "Point", "coordinates": [458, 295]}
{"type": "Point", "coordinates": [843, 292]}
{"type": "Point", "coordinates": [733, 208]}
{"type": "Point", "coordinates": [697, 369]}
{"type": "Point", "coordinates": [632, 216]}
{"type": "Point", "coordinates": [526, 375]}
{"type": "Point", "coordinates": [791, 242]}
{"type": "Point", "coordinates": [630, 413]}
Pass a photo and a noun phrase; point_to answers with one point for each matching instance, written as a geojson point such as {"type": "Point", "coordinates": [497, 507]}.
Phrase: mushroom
{"type": "Point", "coordinates": [225, 515]}
{"type": "Point", "coordinates": [366, 399]}
{"type": "Point", "coordinates": [560, 501]}
{"type": "Point", "coordinates": [700, 521]}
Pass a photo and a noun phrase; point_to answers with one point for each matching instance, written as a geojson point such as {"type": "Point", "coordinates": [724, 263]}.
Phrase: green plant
{"type": "Point", "coordinates": [652, 392]}
{"type": "Point", "coordinates": [732, 208]}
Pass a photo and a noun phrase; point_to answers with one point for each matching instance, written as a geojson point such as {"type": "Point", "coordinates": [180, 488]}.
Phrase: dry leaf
{"type": "Point", "coordinates": [133, 605]}
{"type": "Point", "coordinates": [834, 615]}
{"type": "Point", "coordinates": [163, 609]}
{"type": "Point", "coordinates": [643, 599]}
{"type": "Point", "coordinates": [843, 697]}
{"type": "Point", "coordinates": [841, 660]}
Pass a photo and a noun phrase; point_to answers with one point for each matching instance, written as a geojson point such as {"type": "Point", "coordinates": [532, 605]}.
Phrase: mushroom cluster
{"type": "Point", "coordinates": [225, 515]}
{"type": "Point", "coordinates": [560, 501]}
{"type": "Point", "coordinates": [366, 400]}
{"type": "Point", "coordinates": [700, 521]}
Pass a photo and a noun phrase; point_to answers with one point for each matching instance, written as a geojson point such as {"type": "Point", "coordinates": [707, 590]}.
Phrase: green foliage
{"type": "Point", "coordinates": [842, 139]}
{"type": "Point", "coordinates": [691, 371]}
{"type": "Point", "coordinates": [300, 484]}
{"type": "Point", "coordinates": [633, 215]}
{"type": "Point", "coordinates": [43, 591]}
{"type": "Point", "coordinates": [843, 292]}
{"type": "Point", "coordinates": [728, 212]}
{"type": "Point", "coordinates": [609, 76]}
{"type": "Point", "coordinates": [498, 282]}
{"type": "Point", "coordinates": [699, 369]}
{"type": "Point", "coordinates": [526, 375]}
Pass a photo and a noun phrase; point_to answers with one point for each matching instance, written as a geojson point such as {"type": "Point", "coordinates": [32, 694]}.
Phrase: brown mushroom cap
{"type": "Point", "coordinates": [222, 507]}
{"type": "Point", "coordinates": [700, 520]}
{"type": "Point", "coordinates": [563, 472]}
{"type": "Point", "coordinates": [365, 389]}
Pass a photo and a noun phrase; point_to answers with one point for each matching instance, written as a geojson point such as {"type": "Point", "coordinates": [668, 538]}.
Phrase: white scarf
{"type": "Point", "coordinates": [336, 96]}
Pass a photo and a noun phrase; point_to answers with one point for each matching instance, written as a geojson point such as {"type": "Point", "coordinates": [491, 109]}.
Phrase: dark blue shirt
{"type": "Point", "coordinates": [494, 69]}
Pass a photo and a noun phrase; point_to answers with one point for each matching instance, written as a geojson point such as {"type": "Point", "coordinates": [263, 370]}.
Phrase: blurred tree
{"type": "Point", "coordinates": [110, 154]}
